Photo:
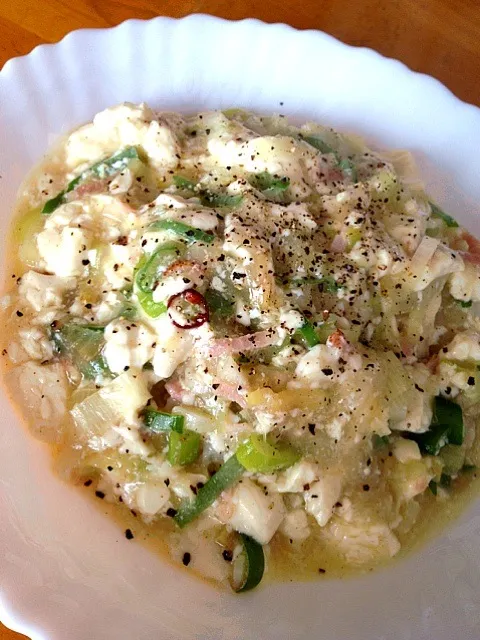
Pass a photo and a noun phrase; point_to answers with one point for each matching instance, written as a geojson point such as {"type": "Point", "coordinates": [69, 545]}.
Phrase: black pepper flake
{"type": "Point", "coordinates": [227, 555]}
{"type": "Point", "coordinates": [322, 571]}
{"type": "Point", "coordinates": [100, 494]}
{"type": "Point", "coordinates": [366, 487]}
{"type": "Point", "coordinates": [186, 558]}
{"type": "Point", "coordinates": [19, 314]}
{"type": "Point", "coordinates": [128, 534]}
{"type": "Point", "coordinates": [171, 512]}
{"type": "Point", "coordinates": [311, 428]}
{"type": "Point", "coordinates": [87, 483]}
{"type": "Point", "coordinates": [471, 381]}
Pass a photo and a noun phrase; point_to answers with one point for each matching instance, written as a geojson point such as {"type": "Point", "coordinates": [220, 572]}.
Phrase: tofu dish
{"type": "Point", "coordinates": [255, 345]}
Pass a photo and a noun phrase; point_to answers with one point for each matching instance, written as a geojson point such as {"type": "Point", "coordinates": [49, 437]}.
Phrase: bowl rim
{"type": "Point", "coordinates": [12, 66]}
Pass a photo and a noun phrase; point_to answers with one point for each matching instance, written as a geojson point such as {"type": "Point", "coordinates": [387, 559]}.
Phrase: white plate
{"type": "Point", "coordinates": [66, 571]}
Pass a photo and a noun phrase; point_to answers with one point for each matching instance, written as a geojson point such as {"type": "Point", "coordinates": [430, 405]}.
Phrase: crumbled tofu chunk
{"type": "Point", "coordinates": [295, 478]}
{"type": "Point", "coordinates": [406, 450]}
{"type": "Point", "coordinates": [127, 344]}
{"type": "Point", "coordinates": [362, 541]}
{"type": "Point", "coordinates": [254, 513]}
{"type": "Point", "coordinates": [150, 498]}
{"type": "Point", "coordinates": [132, 441]}
{"type": "Point", "coordinates": [42, 291]}
{"type": "Point", "coordinates": [173, 346]}
{"type": "Point", "coordinates": [419, 401]}
{"type": "Point", "coordinates": [33, 344]}
{"type": "Point", "coordinates": [317, 366]}
{"type": "Point", "coordinates": [322, 496]}
{"type": "Point", "coordinates": [465, 285]}
{"type": "Point", "coordinates": [121, 126]}
{"type": "Point", "coordinates": [118, 263]}
{"type": "Point", "coordinates": [464, 346]}
{"type": "Point", "coordinates": [64, 250]}
{"type": "Point", "coordinates": [295, 525]}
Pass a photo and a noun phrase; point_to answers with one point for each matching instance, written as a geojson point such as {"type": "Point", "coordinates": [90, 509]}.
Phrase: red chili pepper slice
{"type": "Point", "coordinates": [188, 309]}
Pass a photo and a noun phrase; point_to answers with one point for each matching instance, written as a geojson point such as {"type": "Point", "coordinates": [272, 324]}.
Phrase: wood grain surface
{"type": "Point", "coordinates": [437, 37]}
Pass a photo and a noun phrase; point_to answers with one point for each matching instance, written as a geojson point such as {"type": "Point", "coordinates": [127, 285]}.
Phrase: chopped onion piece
{"type": "Point", "coordinates": [119, 400]}
{"type": "Point", "coordinates": [423, 254]}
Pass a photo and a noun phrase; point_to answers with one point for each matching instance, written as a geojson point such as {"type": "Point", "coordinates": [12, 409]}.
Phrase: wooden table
{"type": "Point", "coordinates": [438, 37]}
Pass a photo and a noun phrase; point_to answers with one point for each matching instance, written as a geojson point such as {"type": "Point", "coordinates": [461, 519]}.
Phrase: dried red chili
{"type": "Point", "coordinates": [188, 309]}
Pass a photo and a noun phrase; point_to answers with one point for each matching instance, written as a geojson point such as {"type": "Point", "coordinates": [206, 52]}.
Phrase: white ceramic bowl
{"type": "Point", "coordinates": [66, 571]}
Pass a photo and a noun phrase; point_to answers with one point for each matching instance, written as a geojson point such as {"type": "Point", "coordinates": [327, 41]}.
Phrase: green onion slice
{"type": "Point", "coordinates": [257, 454]}
{"type": "Point", "coordinates": [183, 183]}
{"type": "Point", "coordinates": [103, 169]}
{"type": "Point", "coordinates": [218, 304]}
{"type": "Point", "coordinates": [439, 213]}
{"type": "Point", "coordinates": [82, 344]}
{"type": "Point", "coordinates": [248, 568]}
{"type": "Point", "coordinates": [307, 334]}
{"type": "Point", "coordinates": [346, 165]}
{"type": "Point", "coordinates": [447, 427]}
{"type": "Point", "coordinates": [185, 231]}
{"type": "Point", "coordinates": [221, 200]}
{"type": "Point", "coordinates": [159, 422]}
{"type": "Point", "coordinates": [228, 474]}
{"type": "Point", "coordinates": [183, 448]}
{"type": "Point", "coordinates": [271, 186]}
{"type": "Point", "coordinates": [449, 413]}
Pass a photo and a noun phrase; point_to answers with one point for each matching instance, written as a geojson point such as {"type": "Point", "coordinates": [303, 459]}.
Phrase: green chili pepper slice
{"type": "Point", "coordinates": [150, 268]}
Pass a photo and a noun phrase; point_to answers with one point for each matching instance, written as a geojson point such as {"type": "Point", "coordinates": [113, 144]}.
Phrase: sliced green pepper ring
{"type": "Point", "coordinates": [150, 268]}
{"type": "Point", "coordinates": [249, 566]}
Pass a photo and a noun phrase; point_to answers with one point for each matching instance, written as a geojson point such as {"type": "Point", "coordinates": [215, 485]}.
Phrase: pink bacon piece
{"type": "Point", "coordinates": [239, 344]}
